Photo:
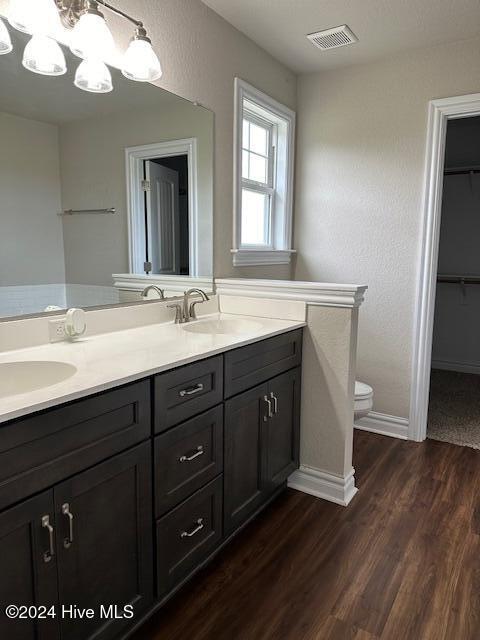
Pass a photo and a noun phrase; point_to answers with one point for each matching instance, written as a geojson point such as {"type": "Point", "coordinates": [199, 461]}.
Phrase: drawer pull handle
{"type": "Point", "coordinates": [189, 457]}
{"type": "Point", "coordinates": [48, 555]}
{"type": "Point", "coordinates": [269, 404]}
{"type": "Point", "coordinates": [67, 542]}
{"type": "Point", "coordinates": [191, 390]}
{"type": "Point", "coordinates": [275, 403]}
{"type": "Point", "coordinates": [198, 527]}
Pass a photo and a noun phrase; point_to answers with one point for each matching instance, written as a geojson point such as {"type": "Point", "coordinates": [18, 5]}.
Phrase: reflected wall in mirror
{"type": "Point", "coordinates": [93, 185]}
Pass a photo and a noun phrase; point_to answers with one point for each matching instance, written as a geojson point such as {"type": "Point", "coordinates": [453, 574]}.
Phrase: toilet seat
{"type": "Point", "coordinates": [363, 399]}
{"type": "Point", "coordinates": [362, 390]}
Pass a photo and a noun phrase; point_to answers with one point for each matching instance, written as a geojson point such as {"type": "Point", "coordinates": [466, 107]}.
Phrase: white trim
{"type": "Point", "coordinates": [258, 257]}
{"type": "Point", "coordinates": [322, 484]}
{"type": "Point", "coordinates": [452, 365]}
{"type": "Point", "coordinates": [138, 282]}
{"type": "Point", "coordinates": [439, 112]}
{"type": "Point", "coordinates": [314, 293]}
{"type": "Point", "coordinates": [384, 424]}
{"type": "Point", "coordinates": [243, 90]}
{"type": "Point", "coordinates": [134, 157]}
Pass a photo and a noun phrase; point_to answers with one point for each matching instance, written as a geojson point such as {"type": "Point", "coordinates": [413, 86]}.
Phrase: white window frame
{"type": "Point", "coordinates": [279, 250]}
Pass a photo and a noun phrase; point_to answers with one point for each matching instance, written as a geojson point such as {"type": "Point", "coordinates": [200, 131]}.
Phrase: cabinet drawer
{"type": "Point", "coordinates": [258, 362]}
{"type": "Point", "coordinates": [188, 534]}
{"type": "Point", "coordinates": [187, 457]}
{"type": "Point", "coordinates": [182, 393]}
{"type": "Point", "coordinates": [44, 449]}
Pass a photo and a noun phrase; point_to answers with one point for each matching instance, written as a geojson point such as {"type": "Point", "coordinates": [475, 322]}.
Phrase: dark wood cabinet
{"type": "Point", "coordinates": [283, 428]}
{"type": "Point", "coordinates": [28, 567]}
{"type": "Point", "coordinates": [244, 464]}
{"type": "Point", "coordinates": [104, 542]}
{"type": "Point", "coordinates": [199, 449]}
{"type": "Point", "coordinates": [261, 445]}
{"type": "Point", "coordinates": [188, 535]}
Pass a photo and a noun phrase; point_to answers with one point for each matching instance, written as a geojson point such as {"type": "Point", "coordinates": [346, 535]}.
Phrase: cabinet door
{"type": "Point", "coordinates": [283, 428]}
{"type": "Point", "coordinates": [244, 482]}
{"type": "Point", "coordinates": [104, 541]}
{"type": "Point", "coordinates": [28, 568]}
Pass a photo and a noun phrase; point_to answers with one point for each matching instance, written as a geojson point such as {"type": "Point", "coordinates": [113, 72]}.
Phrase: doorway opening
{"type": "Point", "coordinates": [454, 403]}
{"type": "Point", "coordinates": [166, 215]}
{"type": "Point", "coordinates": [440, 113]}
{"type": "Point", "coordinates": [162, 200]}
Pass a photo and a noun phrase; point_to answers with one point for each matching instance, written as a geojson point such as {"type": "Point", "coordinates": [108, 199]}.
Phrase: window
{"type": "Point", "coordinates": [264, 139]}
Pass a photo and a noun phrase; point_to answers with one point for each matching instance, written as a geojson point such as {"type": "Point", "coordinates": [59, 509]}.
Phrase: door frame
{"type": "Point", "coordinates": [439, 112]}
{"type": "Point", "coordinates": [134, 157]}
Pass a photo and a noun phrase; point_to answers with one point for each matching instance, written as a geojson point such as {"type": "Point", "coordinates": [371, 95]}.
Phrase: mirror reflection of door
{"type": "Point", "coordinates": [166, 215]}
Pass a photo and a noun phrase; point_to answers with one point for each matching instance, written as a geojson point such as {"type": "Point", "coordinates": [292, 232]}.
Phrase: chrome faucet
{"type": "Point", "coordinates": [184, 312]}
{"type": "Point", "coordinates": [153, 287]}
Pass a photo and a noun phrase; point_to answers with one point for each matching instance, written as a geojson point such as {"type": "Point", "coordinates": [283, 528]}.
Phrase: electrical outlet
{"type": "Point", "coordinates": [56, 330]}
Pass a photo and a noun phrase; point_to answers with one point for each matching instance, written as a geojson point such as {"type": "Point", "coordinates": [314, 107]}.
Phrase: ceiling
{"type": "Point", "coordinates": [383, 27]}
{"type": "Point", "coordinates": [57, 101]}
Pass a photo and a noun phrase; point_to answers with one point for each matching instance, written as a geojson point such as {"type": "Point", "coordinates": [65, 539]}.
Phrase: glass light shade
{"type": "Point", "coordinates": [34, 16]}
{"type": "Point", "coordinates": [93, 76]}
{"type": "Point", "coordinates": [5, 40]}
{"type": "Point", "coordinates": [45, 56]}
{"type": "Point", "coordinates": [141, 63]}
{"type": "Point", "coordinates": [91, 38]}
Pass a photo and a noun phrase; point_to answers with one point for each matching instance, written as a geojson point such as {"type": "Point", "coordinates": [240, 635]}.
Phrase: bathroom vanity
{"type": "Point", "coordinates": [118, 497]}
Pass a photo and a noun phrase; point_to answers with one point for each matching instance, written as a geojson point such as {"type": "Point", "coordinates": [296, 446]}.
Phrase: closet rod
{"type": "Point", "coordinates": [459, 279]}
{"type": "Point", "coordinates": [457, 171]}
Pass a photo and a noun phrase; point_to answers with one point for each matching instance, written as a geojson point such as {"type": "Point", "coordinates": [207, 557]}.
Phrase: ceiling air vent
{"type": "Point", "coordinates": [333, 38]}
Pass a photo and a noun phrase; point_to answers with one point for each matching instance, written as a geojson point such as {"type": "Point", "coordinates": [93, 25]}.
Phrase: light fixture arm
{"type": "Point", "coordinates": [71, 10]}
{"type": "Point", "coordinates": [121, 13]}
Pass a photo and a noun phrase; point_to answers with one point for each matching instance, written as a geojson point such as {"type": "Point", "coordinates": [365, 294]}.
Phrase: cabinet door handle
{"type": "Point", "coordinates": [275, 403]}
{"type": "Point", "coordinates": [193, 532]}
{"type": "Point", "coordinates": [269, 405]}
{"type": "Point", "coordinates": [189, 457]}
{"type": "Point", "coordinates": [48, 555]}
{"type": "Point", "coordinates": [67, 542]}
{"type": "Point", "coordinates": [191, 390]}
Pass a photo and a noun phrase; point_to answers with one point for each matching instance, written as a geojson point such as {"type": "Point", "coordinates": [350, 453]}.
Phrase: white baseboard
{"type": "Point", "coordinates": [451, 365]}
{"type": "Point", "coordinates": [324, 485]}
{"type": "Point", "coordinates": [384, 425]}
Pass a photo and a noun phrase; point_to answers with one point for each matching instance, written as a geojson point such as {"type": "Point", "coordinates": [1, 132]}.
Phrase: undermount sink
{"type": "Point", "coordinates": [22, 377]}
{"type": "Point", "coordinates": [223, 326]}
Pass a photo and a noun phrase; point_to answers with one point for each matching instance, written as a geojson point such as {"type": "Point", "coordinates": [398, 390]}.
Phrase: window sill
{"type": "Point", "coordinates": [259, 257]}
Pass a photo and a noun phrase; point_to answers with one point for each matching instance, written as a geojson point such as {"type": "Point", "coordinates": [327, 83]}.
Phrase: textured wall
{"type": "Point", "coordinates": [201, 54]}
{"type": "Point", "coordinates": [31, 244]}
{"type": "Point", "coordinates": [359, 190]}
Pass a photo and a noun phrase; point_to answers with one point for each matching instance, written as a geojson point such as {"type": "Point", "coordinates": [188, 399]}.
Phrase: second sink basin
{"type": "Point", "coordinates": [223, 326]}
{"type": "Point", "coordinates": [23, 377]}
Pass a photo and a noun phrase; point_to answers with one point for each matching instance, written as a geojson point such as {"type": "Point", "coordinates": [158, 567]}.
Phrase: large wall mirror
{"type": "Point", "coordinates": [98, 188]}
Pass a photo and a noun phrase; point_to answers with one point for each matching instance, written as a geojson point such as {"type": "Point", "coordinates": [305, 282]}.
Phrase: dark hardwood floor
{"type": "Point", "coordinates": [401, 562]}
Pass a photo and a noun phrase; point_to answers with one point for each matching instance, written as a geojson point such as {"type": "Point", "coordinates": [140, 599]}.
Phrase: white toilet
{"type": "Point", "coordinates": [363, 400]}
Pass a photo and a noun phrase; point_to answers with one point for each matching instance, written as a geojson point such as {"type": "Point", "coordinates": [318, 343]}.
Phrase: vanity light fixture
{"type": "Point", "coordinates": [5, 40]}
{"type": "Point", "coordinates": [42, 54]}
{"type": "Point", "coordinates": [90, 39]}
{"type": "Point", "coordinates": [140, 62]}
{"type": "Point", "coordinates": [93, 76]}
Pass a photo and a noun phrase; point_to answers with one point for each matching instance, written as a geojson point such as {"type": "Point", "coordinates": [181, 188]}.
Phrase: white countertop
{"type": "Point", "coordinates": [109, 360]}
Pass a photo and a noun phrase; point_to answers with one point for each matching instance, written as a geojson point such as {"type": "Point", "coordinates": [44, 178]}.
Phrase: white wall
{"type": "Point", "coordinates": [359, 189]}
{"type": "Point", "coordinates": [31, 244]}
{"type": "Point", "coordinates": [457, 311]}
